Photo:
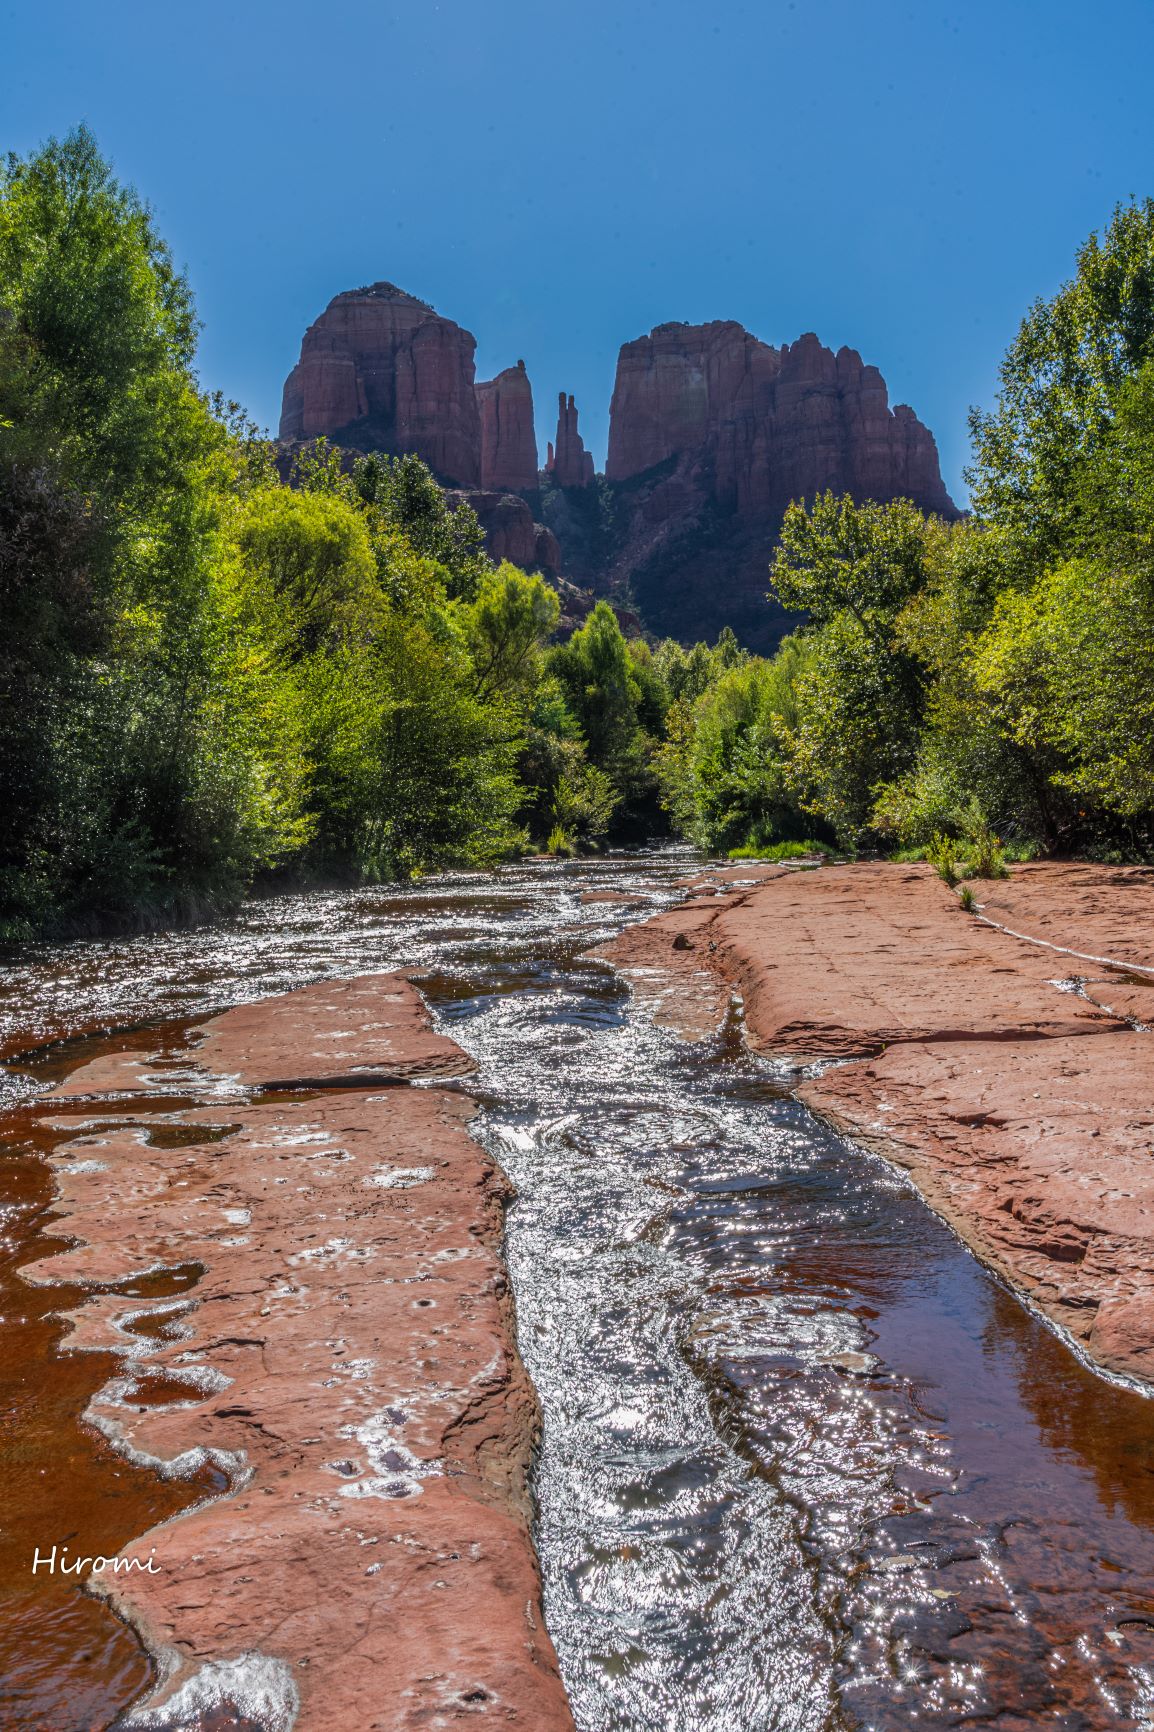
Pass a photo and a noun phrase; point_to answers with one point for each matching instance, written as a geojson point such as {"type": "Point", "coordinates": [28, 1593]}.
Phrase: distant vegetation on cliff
{"type": "Point", "coordinates": [211, 673]}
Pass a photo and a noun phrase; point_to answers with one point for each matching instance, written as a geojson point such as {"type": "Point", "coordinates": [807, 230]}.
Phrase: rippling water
{"type": "Point", "coordinates": [804, 1463]}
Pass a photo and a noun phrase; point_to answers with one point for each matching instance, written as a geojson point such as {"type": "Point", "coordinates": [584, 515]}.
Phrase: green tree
{"type": "Point", "coordinates": [727, 765]}
{"type": "Point", "coordinates": [118, 766]}
{"type": "Point", "coordinates": [608, 689]}
{"type": "Point", "coordinates": [1068, 669]}
{"type": "Point", "coordinates": [508, 625]}
{"type": "Point", "coordinates": [407, 497]}
{"type": "Point", "coordinates": [601, 686]}
{"type": "Point", "coordinates": [860, 700]}
{"type": "Point", "coordinates": [313, 571]}
{"type": "Point", "coordinates": [1059, 388]}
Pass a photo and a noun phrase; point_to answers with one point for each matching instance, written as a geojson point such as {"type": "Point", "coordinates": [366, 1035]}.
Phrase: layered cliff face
{"type": "Point", "coordinates": [508, 438]}
{"type": "Point", "coordinates": [772, 424]}
{"type": "Point", "coordinates": [381, 371]}
{"type": "Point", "coordinates": [712, 434]}
{"type": "Point", "coordinates": [511, 533]}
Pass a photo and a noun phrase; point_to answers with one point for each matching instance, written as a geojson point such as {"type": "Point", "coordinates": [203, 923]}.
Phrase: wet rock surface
{"type": "Point", "coordinates": [344, 1360]}
{"type": "Point", "coordinates": [805, 1463]}
{"type": "Point", "coordinates": [1019, 1095]}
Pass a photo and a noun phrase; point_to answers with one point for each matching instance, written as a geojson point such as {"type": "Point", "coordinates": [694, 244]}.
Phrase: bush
{"type": "Point", "coordinates": [986, 859]}
{"type": "Point", "coordinates": [942, 854]}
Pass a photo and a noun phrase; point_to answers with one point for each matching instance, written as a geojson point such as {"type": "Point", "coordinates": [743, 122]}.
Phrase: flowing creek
{"type": "Point", "coordinates": [805, 1464]}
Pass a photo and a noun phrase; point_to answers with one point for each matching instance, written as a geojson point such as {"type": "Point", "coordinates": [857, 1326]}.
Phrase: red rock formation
{"type": "Point", "coordinates": [381, 371]}
{"type": "Point", "coordinates": [568, 462]}
{"type": "Point", "coordinates": [717, 432]}
{"type": "Point", "coordinates": [508, 440]}
{"type": "Point", "coordinates": [771, 425]}
{"type": "Point", "coordinates": [511, 533]}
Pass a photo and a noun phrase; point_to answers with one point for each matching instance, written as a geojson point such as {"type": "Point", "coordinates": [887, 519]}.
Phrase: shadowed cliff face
{"type": "Point", "coordinates": [568, 463]}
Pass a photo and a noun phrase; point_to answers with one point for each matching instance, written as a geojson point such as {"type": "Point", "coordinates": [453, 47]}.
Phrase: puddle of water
{"type": "Point", "coordinates": [804, 1465]}
{"type": "Point", "coordinates": [65, 1661]}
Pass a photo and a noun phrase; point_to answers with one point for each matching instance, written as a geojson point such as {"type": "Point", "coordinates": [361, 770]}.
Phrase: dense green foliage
{"type": "Point", "coordinates": [991, 678]}
{"type": "Point", "coordinates": [211, 671]}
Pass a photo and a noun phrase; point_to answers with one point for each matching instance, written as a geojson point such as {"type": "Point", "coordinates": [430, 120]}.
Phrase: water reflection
{"type": "Point", "coordinates": [805, 1465]}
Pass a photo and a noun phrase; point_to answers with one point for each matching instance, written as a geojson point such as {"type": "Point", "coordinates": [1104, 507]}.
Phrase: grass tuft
{"type": "Point", "coordinates": [781, 851]}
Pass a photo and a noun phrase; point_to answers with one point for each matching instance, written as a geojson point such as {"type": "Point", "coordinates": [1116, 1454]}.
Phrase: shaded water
{"type": "Point", "coordinates": [805, 1464]}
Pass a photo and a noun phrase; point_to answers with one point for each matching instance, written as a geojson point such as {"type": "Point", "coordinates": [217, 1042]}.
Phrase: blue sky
{"type": "Point", "coordinates": [559, 178]}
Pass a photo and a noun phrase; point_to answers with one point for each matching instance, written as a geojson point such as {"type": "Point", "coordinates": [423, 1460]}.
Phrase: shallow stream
{"type": "Point", "coordinates": [805, 1464]}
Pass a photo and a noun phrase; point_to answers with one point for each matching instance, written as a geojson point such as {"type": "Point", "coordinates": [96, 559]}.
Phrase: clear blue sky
{"type": "Point", "coordinates": [559, 178]}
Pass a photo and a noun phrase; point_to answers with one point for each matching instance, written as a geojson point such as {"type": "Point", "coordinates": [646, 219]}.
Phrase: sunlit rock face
{"type": "Point", "coordinates": [508, 438]}
{"type": "Point", "coordinates": [381, 371]}
{"type": "Point", "coordinates": [712, 434]}
{"type": "Point", "coordinates": [511, 533]}
{"type": "Point", "coordinates": [769, 425]}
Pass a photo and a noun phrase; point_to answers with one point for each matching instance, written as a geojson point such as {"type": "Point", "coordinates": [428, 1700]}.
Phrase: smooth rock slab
{"type": "Point", "coordinates": [1023, 1109]}
{"type": "Point", "coordinates": [346, 1361]}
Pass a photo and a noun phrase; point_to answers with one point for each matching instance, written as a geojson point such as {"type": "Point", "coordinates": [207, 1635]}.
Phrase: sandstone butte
{"type": "Point", "coordinates": [345, 1361]}
{"type": "Point", "coordinates": [508, 438]}
{"type": "Point", "coordinates": [380, 370]}
{"type": "Point", "coordinates": [1005, 1060]}
{"type": "Point", "coordinates": [772, 424]}
{"type": "Point", "coordinates": [712, 433]}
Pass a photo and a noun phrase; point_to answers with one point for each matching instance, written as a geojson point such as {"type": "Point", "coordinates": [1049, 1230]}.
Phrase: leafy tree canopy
{"type": "Point", "coordinates": [1060, 386]}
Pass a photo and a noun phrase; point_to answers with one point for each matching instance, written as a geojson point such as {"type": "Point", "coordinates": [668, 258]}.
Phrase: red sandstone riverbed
{"type": "Point", "coordinates": [989, 1497]}
{"type": "Point", "coordinates": [336, 1354]}
{"type": "Point", "coordinates": [1006, 1060]}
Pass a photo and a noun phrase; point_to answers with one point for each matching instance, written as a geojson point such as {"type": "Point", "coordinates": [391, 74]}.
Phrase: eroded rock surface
{"type": "Point", "coordinates": [381, 371]}
{"type": "Point", "coordinates": [1012, 1080]}
{"type": "Point", "coordinates": [567, 461]}
{"type": "Point", "coordinates": [773, 424]}
{"type": "Point", "coordinates": [512, 534]}
{"type": "Point", "coordinates": [712, 434]}
{"type": "Point", "coordinates": [342, 1355]}
{"type": "Point", "coordinates": [508, 438]}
